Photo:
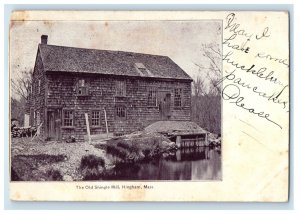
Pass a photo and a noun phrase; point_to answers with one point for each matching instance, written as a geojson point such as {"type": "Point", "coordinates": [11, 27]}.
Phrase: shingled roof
{"type": "Point", "coordinates": [70, 59]}
{"type": "Point", "coordinates": [175, 128]}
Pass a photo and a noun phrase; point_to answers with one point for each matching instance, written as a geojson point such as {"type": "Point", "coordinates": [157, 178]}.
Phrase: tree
{"type": "Point", "coordinates": [20, 99]}
{"type": "Point", "coordinates": [17, 109]}
{"type": "Point", "coordinates": [21, 84]}
{"type": "Point", "coordinates": [206, 99]}
{"type": "Point", "coordinates": [213, 73]}
{"type": "Point", "coordinates": [199, 87]}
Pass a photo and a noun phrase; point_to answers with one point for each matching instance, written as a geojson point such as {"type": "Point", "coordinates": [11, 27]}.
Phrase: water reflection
{"type": "Point", "coordinates": [201, 163]}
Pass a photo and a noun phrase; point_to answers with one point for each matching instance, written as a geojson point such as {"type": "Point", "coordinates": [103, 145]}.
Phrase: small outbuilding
{"type": "Point", "coordinates": [184, 133]}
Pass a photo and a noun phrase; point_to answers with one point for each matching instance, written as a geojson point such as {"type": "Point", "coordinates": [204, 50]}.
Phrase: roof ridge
{"type": "Point", "coordinates": [114, 51]}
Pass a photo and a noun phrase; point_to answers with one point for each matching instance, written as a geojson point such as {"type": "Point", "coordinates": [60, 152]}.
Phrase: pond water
{"type": "Point", "coordinates": [201, 163]}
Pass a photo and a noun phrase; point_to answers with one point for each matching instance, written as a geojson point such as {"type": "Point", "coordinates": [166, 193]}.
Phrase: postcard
{"type": "Point", "coordinates": [149, 106]}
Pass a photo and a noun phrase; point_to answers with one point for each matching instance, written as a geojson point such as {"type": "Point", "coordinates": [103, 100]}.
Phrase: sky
{"type": "Point", "coordinates": [182, 41]}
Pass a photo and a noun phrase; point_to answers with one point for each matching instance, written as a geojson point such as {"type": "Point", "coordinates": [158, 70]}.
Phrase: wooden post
{"type": "Point", "coordinates": [87, 126]}
{"type": "Point", "coordinates": [37, 134]}
{"type": "Point", "coordinates": [105, 122]}
{"type": "Point", "coordinates": [178, 141]}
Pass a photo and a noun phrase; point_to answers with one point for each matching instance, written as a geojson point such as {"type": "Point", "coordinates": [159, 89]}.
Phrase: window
{"type": "Point", "coordinates": [121, 88]}
{"type": "Point", "coordinates": [82, 89]}
{"type": "Point", "coordinates": [120, 112]}
{"type": "Point", "coordinates": [95, 118]}
{"type": "Point", "coordinates": [142, 70]}
{"type": "Point", "coordinates": [177, 97]}
{"type": "Point", "coordinates": [68, 118]}
{"type": "Point", "coordinates": [152, 97]}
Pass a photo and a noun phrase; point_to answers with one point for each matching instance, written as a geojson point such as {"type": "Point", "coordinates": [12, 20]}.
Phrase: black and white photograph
{"type": "Point", "coordinates": [116, 100]}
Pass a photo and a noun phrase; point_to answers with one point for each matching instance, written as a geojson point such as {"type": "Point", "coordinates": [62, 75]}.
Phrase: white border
{"type": "Point", "coordinates": [296, 84]}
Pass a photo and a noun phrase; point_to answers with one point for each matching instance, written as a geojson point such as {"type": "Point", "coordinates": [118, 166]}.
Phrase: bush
{"type": "Point", "coordinates": [117, 151]}
{"type": "Point", "coordinates": [91, 167]}
{"type": "Point", "coordinates": [123, 145]}
{"type": "Point", "coordinates": [54, 175]}
{"type": "Point", "coordinates": [91, 161]}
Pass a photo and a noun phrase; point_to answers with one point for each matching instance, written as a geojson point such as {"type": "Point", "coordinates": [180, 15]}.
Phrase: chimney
{"type": "Point", "coordinates": [44, 39]}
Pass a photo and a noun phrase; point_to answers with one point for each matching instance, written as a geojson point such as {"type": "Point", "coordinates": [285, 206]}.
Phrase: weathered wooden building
{"type": "Point", "coordinates": [127, 90]}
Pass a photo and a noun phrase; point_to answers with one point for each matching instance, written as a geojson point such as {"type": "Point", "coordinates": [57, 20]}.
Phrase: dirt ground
{"type": "Point", "coordinates": [71, 153]}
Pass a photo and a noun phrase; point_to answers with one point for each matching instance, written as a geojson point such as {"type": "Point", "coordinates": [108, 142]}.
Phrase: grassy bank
{"type": "Point", "coordinates": [137, 147]}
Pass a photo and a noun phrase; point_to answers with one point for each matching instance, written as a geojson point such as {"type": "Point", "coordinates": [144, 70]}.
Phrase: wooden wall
{"type": "Point", "coordinates": [61, 92]}
{"type": "Point", "coordinates": [37, 97]}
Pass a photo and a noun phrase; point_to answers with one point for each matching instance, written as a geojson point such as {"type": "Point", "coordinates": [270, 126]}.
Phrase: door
{"type": "Point", "coordinates": [164, 104]}
{"type": "Point", "coordinates": [54, 124]}
{"type": "Point", "coordinates": [51, 124]}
